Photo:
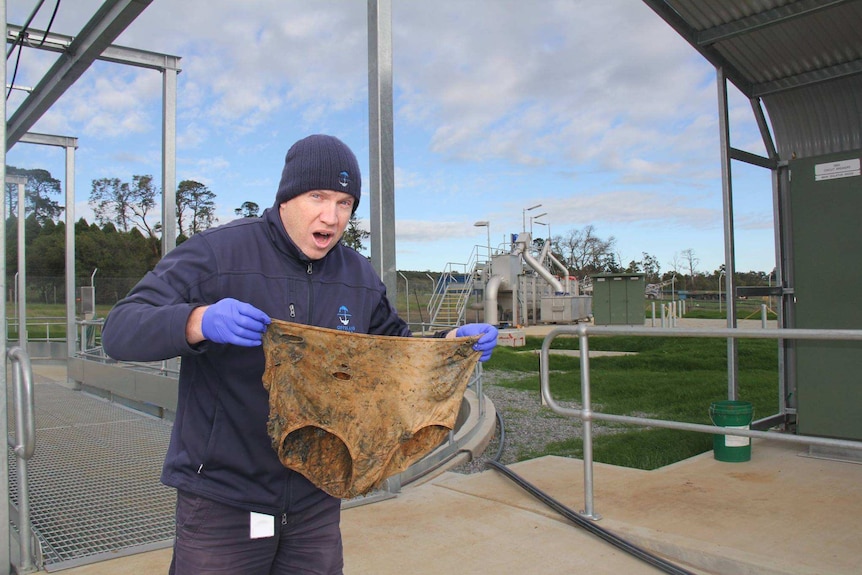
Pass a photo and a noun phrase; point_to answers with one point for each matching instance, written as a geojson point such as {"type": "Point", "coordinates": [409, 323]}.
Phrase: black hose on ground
{"type": "Point", "coordinates": [502, 446]}
{"type": "Point", "coordinates": [576, 518]}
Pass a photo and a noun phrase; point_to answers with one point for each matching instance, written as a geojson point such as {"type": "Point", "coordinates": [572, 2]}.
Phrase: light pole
{"type": "Point", "coordinates": [487, 225]}
{"type": "Point", "coordinates": [532, 219]}
{"type": "Point", "coordinates": [524, 215]}
{"type": "Point", "coordinates": [549, 233]}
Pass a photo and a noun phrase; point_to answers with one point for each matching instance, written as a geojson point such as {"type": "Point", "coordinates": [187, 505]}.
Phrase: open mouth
{"type": "Point", "coordinates": [322, 238]}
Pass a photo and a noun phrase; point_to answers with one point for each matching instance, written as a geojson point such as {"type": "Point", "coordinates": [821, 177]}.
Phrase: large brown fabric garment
{"type": "Point", "coordinates": [349, 410]}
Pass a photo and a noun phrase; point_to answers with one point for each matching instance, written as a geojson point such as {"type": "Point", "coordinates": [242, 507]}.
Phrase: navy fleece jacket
{"type": "Point", "coordinates": [219, 445]}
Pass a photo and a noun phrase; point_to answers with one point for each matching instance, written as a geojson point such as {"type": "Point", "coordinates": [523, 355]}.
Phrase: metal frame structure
{"type": "Point", "coordinates": [69, 144]}
{"type": "Point", "coordinates": [168, 65]}
{"type": "Point", "coordinates": [69, 47]}
{"type": "Point", "coordinates": [77, 54]}
{"type": "Point", "coordinates": [801, 60]}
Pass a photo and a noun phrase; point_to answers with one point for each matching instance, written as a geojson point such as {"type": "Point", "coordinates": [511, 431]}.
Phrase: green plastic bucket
{"type": "Point", "coordinates": [736, 415]}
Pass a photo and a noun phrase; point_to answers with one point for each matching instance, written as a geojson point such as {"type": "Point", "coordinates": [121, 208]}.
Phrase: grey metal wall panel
{"type": "Point", "coordinates": [121, 383]}
{"type": "Point", "coordinates": [156, 389]}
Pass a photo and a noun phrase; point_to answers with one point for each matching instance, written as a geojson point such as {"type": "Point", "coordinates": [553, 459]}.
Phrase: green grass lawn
{"type": "Point", "coordinates": [668, 378]}
{"type": "Point", "coordinates": [43, 320]}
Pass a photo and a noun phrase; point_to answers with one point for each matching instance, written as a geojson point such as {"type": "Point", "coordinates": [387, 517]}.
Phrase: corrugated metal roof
{"type": "Point", "coordinates": [802, 58]}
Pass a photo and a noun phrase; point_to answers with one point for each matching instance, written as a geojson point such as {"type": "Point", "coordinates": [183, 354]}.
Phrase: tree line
{"type": "Point", "coordinates": [585, 253]}
{"type": "Point", "coordinates": [124, 241]}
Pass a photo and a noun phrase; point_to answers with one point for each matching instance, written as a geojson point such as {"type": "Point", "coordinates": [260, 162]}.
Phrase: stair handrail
{"type": "Point", "coordinates": [451, 270]}
{"type": "Point", "coordinates": [23, 444]}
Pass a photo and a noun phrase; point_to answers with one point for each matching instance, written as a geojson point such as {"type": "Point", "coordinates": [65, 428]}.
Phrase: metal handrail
{"type": "Point", "coordinates": [59, 323]}
{"type": "Point", "coordinates": [23, 444]}
{"type": "Point", "coordinates": [438, 297]}
{"type": "Point", "coordinates": [583, 331]}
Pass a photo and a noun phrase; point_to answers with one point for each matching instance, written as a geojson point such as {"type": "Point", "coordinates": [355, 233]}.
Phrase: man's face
{"type": "Point", "coordinates": [316, 220]}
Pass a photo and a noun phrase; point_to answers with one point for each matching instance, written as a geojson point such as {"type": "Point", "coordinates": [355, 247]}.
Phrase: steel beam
{"type": "Point", "coordinates": [103, 28]}
{"type": "Point", "coordinates": [54, 42]}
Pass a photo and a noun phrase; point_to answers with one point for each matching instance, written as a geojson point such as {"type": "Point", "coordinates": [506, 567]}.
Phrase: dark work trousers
{"type": "Point", "coordinates": [212, 538]}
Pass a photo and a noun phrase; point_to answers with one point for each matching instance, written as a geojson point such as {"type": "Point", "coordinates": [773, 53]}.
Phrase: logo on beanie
{"type": "Point", "coordinates": [344, 179]}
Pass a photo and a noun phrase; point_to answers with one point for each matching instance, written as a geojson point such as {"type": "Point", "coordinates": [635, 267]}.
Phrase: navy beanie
{"type": "Point", "coordinates": [319, 162]}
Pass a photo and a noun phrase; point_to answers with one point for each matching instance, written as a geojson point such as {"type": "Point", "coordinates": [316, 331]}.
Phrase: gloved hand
{"type": "Point", "coordinates": [235, 322]}
{"type": "Point", "coordinates": [486, 343]}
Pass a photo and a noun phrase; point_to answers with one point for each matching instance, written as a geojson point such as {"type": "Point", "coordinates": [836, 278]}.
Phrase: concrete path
{"type": "Point", "coordinates": [780, 513]}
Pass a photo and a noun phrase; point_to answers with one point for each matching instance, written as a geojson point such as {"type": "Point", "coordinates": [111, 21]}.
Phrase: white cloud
{"type": "Point", "coordinates": [597, 109]}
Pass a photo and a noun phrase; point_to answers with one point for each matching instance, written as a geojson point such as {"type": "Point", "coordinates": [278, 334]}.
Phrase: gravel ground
{"type": "Point", "coordinates": [529, 426]}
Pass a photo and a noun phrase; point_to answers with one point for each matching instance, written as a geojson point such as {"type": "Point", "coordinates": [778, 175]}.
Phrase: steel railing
{"type": "Point", "coordinates": [461, 275]}
{"type": "Point", "coordinates": [23, 445]}
{"type": "Point", "coordinates": [583, 331]}
{"type": "Point", "coordinates": [42, 325]}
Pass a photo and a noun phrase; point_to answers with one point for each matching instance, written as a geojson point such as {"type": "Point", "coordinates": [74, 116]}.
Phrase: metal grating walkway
{"type": "Point", "coordinates": [94, 479]}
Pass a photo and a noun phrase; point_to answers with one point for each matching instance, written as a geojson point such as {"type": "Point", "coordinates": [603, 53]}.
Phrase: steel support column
{"type": "Point", "coordinates": [729, 245]}
{"type": "Point", "coordinates": [169, 159]}
{"type": "Point", "coordinates": [381, 143]}
{"type": "Point", "coordinates": [21, 184]}
{"type": "Point", "coordinates": [5, 539]}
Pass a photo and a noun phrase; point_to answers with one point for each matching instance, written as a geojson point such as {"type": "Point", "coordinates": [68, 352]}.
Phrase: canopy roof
{"type": "Point", "coordinates": [802, 59]}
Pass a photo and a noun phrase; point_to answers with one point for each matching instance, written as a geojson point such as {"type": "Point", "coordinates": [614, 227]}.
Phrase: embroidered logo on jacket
{"type": "Point", "coordinates": [344, 318]}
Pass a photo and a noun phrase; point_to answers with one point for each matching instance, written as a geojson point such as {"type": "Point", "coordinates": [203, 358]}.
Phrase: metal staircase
{"type": "Point", "coordinates": [448, 304]}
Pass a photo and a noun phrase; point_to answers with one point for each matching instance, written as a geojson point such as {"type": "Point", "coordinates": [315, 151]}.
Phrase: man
{"type": "Point", "coordinates": [239, 510]}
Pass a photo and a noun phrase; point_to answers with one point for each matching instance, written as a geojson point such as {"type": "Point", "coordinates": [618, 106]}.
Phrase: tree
{"type": "Point", "coordinates": [196, 200]}
{"type": "Point", "coordinates": [40, 186]}
{"type": "Point", "coordinates": [248, 210]}
{"type": "Point", "coordinates": [46, 263]}
{"type": "Point", "coordinates": [354, 235]}
{"type": "Point", "coordinates": [586, 253]}
{"type": "Point", "coordinates": [126, 205]}
{"type": "Point", "coordinates": [109, 199]}
{"type": "Point", "coordinates": [690, 262]}
{"type": "Point", "coordinates": [675, 266]}
{"type": "Point", "coordinates": [610, 264]}
{"type": "Point", "coordinates": [651, 267]}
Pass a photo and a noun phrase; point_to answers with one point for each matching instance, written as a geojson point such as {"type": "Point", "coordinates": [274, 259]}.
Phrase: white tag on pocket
{"type": "Point", "coordinates": [261, 525]}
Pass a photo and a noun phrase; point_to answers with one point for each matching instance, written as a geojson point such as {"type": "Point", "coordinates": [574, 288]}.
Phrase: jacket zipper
{"type": "Point", "coordinates": [310, 315]}
{"type": "Point", "coordinates": [292, 307]}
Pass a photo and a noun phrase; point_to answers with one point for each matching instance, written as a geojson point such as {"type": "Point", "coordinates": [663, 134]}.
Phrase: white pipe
{"type": "Point", "coordinates": [563, 269]}
{"type": "Point", "coordinates": [491, 291]}
{"type": "Point", "coordinates": [531, 261]}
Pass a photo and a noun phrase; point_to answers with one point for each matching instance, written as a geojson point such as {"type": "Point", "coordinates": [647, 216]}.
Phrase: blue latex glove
{"type": "Point", "coordinates": [235, 322]}
{"type": "Point", "coordinates": [486, 343]}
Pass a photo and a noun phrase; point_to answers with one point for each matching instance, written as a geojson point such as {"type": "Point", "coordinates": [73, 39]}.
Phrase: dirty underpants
{"type": "Point", "coordinates": [349, 410]}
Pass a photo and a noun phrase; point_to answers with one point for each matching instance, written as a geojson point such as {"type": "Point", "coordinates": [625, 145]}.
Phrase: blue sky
{"type": "Point", "coordinates": [599, 111]}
